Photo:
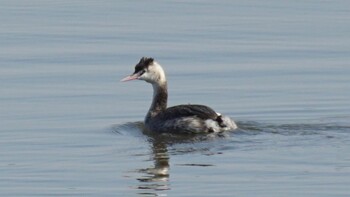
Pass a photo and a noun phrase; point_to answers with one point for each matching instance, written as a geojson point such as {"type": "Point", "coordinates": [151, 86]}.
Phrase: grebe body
{"type": "Point", "coordinates": [180, 118]}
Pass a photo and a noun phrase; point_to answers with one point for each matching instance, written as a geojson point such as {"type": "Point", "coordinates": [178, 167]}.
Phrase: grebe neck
{"type": "Point", "coordinates": [160, 99]}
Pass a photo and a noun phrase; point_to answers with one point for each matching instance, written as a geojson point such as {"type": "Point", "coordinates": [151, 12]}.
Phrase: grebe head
{"type": "Point", "coordinates": [148, 70]}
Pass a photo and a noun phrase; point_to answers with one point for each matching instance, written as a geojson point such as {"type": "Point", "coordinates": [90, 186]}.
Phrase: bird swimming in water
{"type": "Point", "coordinates": [177, 119]}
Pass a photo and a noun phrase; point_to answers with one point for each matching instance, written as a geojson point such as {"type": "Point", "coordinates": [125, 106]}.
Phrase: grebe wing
{"type": "Point", "coordinates": [201, 111]}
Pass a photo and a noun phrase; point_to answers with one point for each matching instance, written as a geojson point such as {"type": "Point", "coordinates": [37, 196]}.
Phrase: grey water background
{"type": "Point", "coordinates": [279, 68]}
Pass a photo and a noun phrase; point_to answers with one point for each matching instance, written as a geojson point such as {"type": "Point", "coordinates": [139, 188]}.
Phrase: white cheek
{"type": "Point", "coordinates": [153, 76]}
{"type": "Point", "coordinates": [146, 77]}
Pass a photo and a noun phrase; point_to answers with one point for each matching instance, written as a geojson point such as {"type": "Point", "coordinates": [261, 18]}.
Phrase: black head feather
{"type": "Point", "coordinates": [143, 64]}
{"type": "Point", "coordinates": [147, 60]}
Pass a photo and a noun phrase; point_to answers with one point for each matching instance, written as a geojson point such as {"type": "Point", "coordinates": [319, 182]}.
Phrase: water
{"type": "Point", "coordinates": [279, 68]}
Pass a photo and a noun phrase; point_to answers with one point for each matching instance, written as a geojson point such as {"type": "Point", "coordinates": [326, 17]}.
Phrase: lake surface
{"type": "Point", "coordinates": [281, 69]}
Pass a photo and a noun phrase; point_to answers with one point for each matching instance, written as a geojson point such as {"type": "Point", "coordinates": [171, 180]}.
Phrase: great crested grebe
{"type": "Point", "coordinates": [180, 118]}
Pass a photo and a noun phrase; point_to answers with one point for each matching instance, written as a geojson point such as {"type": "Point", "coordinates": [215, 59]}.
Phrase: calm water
{"type": "Point", "coordinates": [279, 68]}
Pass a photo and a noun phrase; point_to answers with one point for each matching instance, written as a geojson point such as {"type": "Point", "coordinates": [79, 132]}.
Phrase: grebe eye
{"type": "Point", "coordinates": [142, 72]}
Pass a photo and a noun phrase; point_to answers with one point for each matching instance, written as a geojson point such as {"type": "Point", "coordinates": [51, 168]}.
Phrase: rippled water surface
{"type": "Point", "coordinates": [281, 69]}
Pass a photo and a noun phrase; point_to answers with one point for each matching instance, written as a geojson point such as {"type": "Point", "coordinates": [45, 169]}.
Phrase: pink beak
{"type": "Point", "coordinates": [131, 77]}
